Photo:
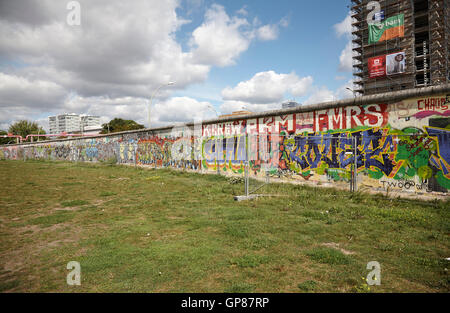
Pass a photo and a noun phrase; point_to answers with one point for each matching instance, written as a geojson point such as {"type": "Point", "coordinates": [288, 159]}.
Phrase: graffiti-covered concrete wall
{"type": "Point", "coordinates": [397, 141]}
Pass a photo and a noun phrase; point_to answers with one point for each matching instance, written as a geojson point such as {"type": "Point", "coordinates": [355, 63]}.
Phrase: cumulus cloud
{"type": "Point", "coordinates": [117, 50]}
{"type": "Point", "coordinates": [29, 93]}
{"type": "Point", "coordinates": [220, 39]}
{"type": "Point", "coordinates": [346, 58]}
{"type": "Point", "coordinates": [344, 28]}
{"type": "Point", "coordinates": [114, 60]}
{"type": "Point", "coordinates": [231, 106]}
{"type": "Point", "coordinates": [242, 11]}
{"type": "Point", "coordinates": [181, 110]}
{"type": "Point", "coordinates": [323, 94]}
{"type": "Point", "coordinates": [269, 31]}
{"type": "Point", "coordinates": [268, 87]}
{"type": "Point", "coordinates": [343, 91]}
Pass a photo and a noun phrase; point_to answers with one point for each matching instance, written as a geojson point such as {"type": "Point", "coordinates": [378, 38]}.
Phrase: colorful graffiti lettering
{"type": "Point", "coordinates": [403, 145]}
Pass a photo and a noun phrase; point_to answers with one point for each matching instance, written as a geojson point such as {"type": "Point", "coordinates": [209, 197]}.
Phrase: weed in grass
{"type": "Point", "coordinates": [237, 230]}
{"type": "Point", "coordinates": [50, 220]}
{"type": "Point", "coordinates": [8, 285]}
{"type": "Point", "coordinates": [107, 194]}
{"type": "Point", "coordinates": [250, 260]}
{"type": "Point", "coordinates": [316, 215]}
{"type": "Point", "coordinates": [308, 285]}
{"type": "Point", "coordinates": [328, 256]}
{"type": "Point", "coordinates": [73, 203]}
{"type": "Point", "coordinates": [235, 180]}
{"type": "Point", "coordinates": [386, 246]}
{"type": "Point", "coordinates": [240, 288]}
{"type": "Point", "coordinates": [71, 183]}
{"type": "Point", "coordinates": [363, 287]}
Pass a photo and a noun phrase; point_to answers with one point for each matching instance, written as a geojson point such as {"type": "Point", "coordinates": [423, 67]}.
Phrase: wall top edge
{"type": "Point", "coordinates": [388, 97]}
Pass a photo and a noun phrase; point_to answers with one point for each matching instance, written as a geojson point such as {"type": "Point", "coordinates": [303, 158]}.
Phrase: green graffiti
{"type": "Point", "coordinates": [442, 180]}
{"type": "Point", "coordinates": [322, 169]}
{"type": "Point", "coordinates": [377, 174]}
{"type": "Point", "coordinates": [425, 172]}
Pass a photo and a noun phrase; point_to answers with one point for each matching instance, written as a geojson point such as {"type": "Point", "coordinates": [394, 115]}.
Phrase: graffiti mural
{"type": "Point", "coordinates": [403, 145]}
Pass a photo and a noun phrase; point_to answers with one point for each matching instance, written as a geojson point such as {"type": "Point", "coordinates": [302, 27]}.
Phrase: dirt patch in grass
{"type": "Point", "coordinates": [336, 246]}
{"type": "Point", "coordinates": [67, 209]}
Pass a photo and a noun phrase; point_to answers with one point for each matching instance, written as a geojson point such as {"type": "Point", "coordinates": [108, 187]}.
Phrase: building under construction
{"type": "Point", "coordinates": [400, 44]}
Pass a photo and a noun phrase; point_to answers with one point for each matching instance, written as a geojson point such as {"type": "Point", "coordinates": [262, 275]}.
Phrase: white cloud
{"type": "Point", "coordinates": [268, 87]}
{"type": "Point", "coordinates": [270, 31]}
{"type": "Point", "coordinates": [323, 94]}
{"type": "Point", "coordinates": [267, 32]}
{"type": "Point", "coordinates": [231, 106]}
{"type": "Point", "coordinates": [343, 93]}
{"type": "Point", "coordinates": [346, 58]}
{"type": "Point", "coordinates": [344, 28]}
{"type": "Point", "coordinates": [340, 77]}
{"type": "Point", "coordinates": [32, 93]}
{"type": "Point", "coordinates": [242, 11]}
{"type": "Point", "coordinates": [220, 39]}
{"type": "Point", "coordinates": [166, 112]}
{"type": "Point", "coordinates": [284, 22]}
{"type": "Point", "coordinates": [181, 110]}
{"type": "Point", "coordinates": [119, 52]}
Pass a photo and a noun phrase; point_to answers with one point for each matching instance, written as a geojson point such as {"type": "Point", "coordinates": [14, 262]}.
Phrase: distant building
{"type": "Point", "coordinates": [89, 121]}
{"type": "Point", "coordinates": [289, 104]}
{"type": "Point", "coordinates": [68, 122]}
{"type": "Point", "coordinates": [92, 130]}
{"type": "Point", "coordinates": [236, 113]}
{"type": "Point", "coordinates": [72, 123]}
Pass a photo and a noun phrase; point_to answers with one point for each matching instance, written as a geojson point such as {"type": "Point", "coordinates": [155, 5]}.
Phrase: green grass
{"type": "Point", "coordinates": [308, 285]}
{"type": "Point", "coordinates": [73, 203]}
{"type": "Point", "coordinates": [147, 230]}
{"type": "Point", "coordinates": [328, 256]}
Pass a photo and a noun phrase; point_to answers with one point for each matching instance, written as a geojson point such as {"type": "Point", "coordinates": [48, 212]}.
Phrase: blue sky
{"type": "Point", "coordinates": [227, 54]}
{"type": "Point", "coordinates": [307, 46]}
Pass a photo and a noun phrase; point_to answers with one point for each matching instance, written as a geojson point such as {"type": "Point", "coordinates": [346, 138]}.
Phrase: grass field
{"type": "Point", "coordinates": [147, 230]}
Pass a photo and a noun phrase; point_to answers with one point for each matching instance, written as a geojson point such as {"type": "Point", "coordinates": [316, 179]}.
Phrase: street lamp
{"type": "Point", "coordinates": [354, 92]}
{"type": "Point", "coordinates": [212, 108]}
{"type": "Point", "coordinates": [153, 95]}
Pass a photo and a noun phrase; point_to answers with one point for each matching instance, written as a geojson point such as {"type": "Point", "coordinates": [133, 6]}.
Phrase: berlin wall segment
{"type": "Point", "coordinates": [402, 145]}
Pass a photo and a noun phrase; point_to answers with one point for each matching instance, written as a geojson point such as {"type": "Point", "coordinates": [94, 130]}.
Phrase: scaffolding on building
{"type": "Point", "coordinates": [425, 43]}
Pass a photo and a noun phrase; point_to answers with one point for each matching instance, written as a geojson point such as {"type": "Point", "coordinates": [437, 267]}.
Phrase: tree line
{"type": "Point", "coordinates": [25, 127]}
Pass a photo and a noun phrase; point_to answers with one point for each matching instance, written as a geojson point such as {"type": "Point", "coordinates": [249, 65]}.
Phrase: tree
{"type": "Point", "coordinates": [120, 125]}
{"type": "Point", "coordinates": [6, 140]}
{"type": "Point", "coordinates": [24, 128]}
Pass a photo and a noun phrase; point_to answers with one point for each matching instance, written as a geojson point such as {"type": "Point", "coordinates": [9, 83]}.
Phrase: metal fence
{"type": "Point", "coordinates": [372, 159]}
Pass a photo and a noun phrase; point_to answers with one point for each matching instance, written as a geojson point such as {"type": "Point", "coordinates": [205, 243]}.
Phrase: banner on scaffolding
{"type": "Point", "coordinates": [390, 28]}
{"type": "Point", "coordinates": [377, 66]}
{"type": "Point", "coordinates": [390, 64]}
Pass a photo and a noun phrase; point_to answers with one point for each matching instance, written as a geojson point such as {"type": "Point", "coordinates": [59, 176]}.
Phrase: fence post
{"type": "Point", "coordinates": [355, 172]}
{"type": "Point", "coordinates": [217, 156]}
{"type": "Point", "coordinates": [351, 167]}
{"type": "Point", "coordinates": [246, 165]}
{"type": "Point", "coordinates": [135, 154]}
